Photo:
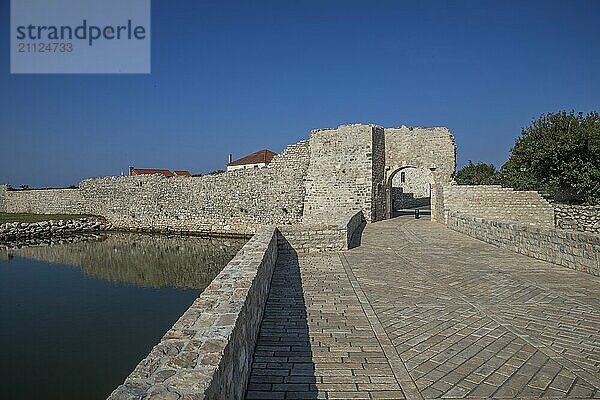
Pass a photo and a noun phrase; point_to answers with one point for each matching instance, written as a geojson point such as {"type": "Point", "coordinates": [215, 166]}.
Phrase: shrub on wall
{"type": "Point", "coordinates": [559, 156]}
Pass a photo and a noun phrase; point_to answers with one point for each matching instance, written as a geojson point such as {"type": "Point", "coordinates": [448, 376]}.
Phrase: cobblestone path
{"type": "Point", "coordinates": [420, 311]}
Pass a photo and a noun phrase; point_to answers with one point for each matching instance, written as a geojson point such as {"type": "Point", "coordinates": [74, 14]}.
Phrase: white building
{"type": "Point", "coordinates": [259, 159]}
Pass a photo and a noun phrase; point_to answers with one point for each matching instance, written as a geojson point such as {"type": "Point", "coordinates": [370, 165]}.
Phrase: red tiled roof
{"type": "Point", "coordinates": [150, 171]}
{"type": "Point", "coordinates": [261, 156]}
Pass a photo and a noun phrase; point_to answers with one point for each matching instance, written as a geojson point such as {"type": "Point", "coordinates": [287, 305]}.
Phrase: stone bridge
{"type": "Point", "coordinates": [421, 311]}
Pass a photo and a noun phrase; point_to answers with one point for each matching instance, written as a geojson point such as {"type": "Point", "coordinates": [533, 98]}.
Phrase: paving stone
{"type": "Point", "coordinates": [334, 348]}
{"type": "Point", "coordinates": [421, 312]}
{"type": "Point", "coordinates": [470, 319]}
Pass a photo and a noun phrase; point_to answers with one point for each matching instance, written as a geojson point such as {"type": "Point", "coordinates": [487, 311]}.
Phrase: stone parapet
{"type": "Point", "coordinates": [575, 250]}
{"type": "Point", "coordinates": [208, 352]}
{"type": "Point", "coordinates": [577, 218]}
{"type": "Point", "coordinates": [319, 237]}
{"type": "Point", "coordinates": [496, 202]}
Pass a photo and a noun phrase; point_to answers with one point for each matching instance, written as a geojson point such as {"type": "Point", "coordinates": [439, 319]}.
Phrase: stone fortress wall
{"type": "Point", "coordinates": [414, 190]}
{"type": "Point", "coordinates": [46, 201]}
{"type": "Point", "coordinates": [340, 175]}
{"type": "Point", "coordinates": [352, 167]}
{"type": "Point", "coordinates": [335, 173]}
{"type": "Point", "coordinates": [311, 185]}
{"type": "Point", "coordinates": [237, 202]}
{"type": "Point", "coordinates": [417, 181]}
{"type": "Point", "coordinates": [3, 198]}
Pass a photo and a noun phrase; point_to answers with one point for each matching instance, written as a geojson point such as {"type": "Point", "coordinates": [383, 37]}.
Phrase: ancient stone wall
{"type": "Point", "coordinates": [577, 218]}
{"type": "Point", "coordinates": [495, 202]}
{"type": "Point", "coordinates": [432, 150]}
{"type": "Point", "coordinates": [45, 201]}
{"type": "Point", "coordinates": [3, 190]}
{"type": "Point", "coordinates": [237, 202]}
{"type": "Point", "coordinates": [417, 181]}
{"type": "Point", "coordinates": [234, 202]}
{"type": "Point", "coordinates": [575, 250]}
{"type": "Point", "coordinates": [401, 200]}
{"type": "Point", "coordinates": [411, 187]}
{"type": "Point", "coordinates": [340, 178]}
{"type": "Point", "coordinates": [379, 191]}
{"type": "Point", "coordinates": [336, 172]}
{"type": "Point", "coordinates": [437, 203]}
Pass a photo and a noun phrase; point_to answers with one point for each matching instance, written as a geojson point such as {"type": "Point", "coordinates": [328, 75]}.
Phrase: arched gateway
{"type": "Point", "coordinates": [408, 187]}
{"type": "Point", "coordinates": [352, 168]}
{"type": "Point", "coordinates": [426, 156]}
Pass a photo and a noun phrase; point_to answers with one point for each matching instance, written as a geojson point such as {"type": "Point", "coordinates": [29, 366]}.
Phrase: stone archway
{"type": "Point", "coordinates": [408, 186]}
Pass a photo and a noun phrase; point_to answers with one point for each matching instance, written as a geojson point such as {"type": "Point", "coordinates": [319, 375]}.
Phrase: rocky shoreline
{"type": "Point", "coordinates": [33, 233]}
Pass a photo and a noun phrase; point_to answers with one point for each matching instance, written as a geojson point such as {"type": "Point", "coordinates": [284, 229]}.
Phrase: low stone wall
{"type": "Point", "coordinates": [496, 202]}
{"type": "Point", "coordinates": [26, 233]}
{"type": "Point", "coordinates": [314, 238]}
{"type": "Point", "coordinates": [578, 251]}
{"type": "Point", "coordinates": [577, 218]}
{"type": "Point", "coordinates": [208, 352]}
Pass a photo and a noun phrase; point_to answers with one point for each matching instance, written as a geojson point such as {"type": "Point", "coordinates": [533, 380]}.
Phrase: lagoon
{"type": "Point", "coordinates": [78, 317]}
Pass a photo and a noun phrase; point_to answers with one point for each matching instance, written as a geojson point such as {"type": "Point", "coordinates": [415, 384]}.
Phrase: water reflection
{"type": "Point", "coordinates": [145, 260]}
{"type": "Point", "coordinates": [79, 313]}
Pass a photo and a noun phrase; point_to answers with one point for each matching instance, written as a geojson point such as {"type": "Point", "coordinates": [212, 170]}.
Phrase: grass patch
{"type": "Point", "coordinates": [10, 217]}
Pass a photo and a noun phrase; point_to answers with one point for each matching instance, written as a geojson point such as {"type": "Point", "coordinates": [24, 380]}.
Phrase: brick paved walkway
{"type": "Point", "coordinates": [420, 311]}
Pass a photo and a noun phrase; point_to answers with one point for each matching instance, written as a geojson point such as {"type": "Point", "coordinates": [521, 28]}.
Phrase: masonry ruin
{"type": "Point", "coordinates": [312, 197]}
{"type": "Point", "coordinates": [318, 190]}
{"type": "Point", "coordinates": [336, 172]}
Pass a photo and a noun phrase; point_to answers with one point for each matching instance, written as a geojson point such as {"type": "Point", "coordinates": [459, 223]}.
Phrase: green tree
{"type": "Point", "coordinates": [560, 155]}
{"type": "Point", "coordinates": [477, 174]}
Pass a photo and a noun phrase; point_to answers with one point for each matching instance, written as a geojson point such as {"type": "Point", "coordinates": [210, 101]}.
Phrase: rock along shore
{"type": "Point", "coordinates": [26, 233]}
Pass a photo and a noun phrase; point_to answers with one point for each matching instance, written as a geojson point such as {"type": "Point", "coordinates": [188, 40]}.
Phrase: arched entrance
{"type": "Point", "coordinates": [408, 187]}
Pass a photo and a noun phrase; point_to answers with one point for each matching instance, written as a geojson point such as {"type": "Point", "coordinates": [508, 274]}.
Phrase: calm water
{"type": "Point", "coordinates": [77, 318]}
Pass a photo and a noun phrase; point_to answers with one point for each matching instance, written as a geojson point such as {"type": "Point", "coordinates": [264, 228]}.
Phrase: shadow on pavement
{"type": "Point", "coordinates": [282, 366]}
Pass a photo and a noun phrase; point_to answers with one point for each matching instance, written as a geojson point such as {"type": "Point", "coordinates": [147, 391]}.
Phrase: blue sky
{"type": "Point", "coordinates": [235, 77]}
